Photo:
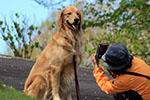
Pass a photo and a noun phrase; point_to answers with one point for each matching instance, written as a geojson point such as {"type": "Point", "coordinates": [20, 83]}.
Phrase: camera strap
{"type": "Point", "coordinates": [137, 74]}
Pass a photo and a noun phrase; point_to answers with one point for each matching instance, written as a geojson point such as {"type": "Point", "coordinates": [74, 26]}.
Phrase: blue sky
{"type": "Point", "coordinates": [35, 13]}
{"type": "Point", "coordinates": [25, 7]}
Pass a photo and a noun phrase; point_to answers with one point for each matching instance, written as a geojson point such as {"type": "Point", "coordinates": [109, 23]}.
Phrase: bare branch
{"type": "Point", "coordinates": [49, 3]}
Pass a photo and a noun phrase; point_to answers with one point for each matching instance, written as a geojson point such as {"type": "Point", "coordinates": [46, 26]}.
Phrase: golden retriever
{"type": "Point", "coordinates": [52, 75]}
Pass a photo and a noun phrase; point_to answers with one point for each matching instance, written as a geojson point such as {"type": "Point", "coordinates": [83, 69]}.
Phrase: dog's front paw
{"type": "Point", "coordinates": [56, 98]}
{"type": "Point", "coordinates": [69, 97]}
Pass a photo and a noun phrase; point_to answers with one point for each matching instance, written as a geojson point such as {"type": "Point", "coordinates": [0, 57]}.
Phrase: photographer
{"type": "Point", "coordinates": [131, 75]}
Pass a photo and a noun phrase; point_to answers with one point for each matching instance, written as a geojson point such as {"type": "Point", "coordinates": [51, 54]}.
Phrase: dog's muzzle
{"type": "Point", "coordinates": [75, 24]}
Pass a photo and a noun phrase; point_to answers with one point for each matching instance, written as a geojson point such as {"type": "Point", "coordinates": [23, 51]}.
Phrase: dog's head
{"type": "Point", "coordinates": [70, 17]}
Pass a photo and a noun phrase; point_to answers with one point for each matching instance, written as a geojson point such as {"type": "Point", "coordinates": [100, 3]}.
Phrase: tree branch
{"type": "Point", "coordinates": [48, 3]}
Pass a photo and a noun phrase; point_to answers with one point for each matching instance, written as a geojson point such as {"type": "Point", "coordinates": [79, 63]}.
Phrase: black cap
{"type": "Point", "coordinates": [116, 57]}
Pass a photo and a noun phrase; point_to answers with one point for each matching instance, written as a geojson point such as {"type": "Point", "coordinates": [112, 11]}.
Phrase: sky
{"type": "Point", "coordinates": [35, 13]}
{"type": "Point", "coordinates": [26, 7]}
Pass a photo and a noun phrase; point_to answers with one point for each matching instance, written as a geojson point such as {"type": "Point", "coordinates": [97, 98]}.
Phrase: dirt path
{"type": "Point", "coordinates": [14, 71]}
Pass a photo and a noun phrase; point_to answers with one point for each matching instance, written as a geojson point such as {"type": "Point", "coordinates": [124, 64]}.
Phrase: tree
{"type": "Point", "coordinates": [128, 24]}
{"type": "Point", "coordinates": [51, 3]}
{"type": "Point", "coordinates": [18, 36]}
{"type": "Point", "coordinates": [113, 21]}
{"type": "Point", "coordinates": [47, 31]}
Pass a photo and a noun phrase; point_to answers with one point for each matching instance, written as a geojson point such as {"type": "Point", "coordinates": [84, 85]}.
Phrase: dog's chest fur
{"type": "Point", "coordinates": [66, 79]}
{"type": "Point", "coordinates": [67, 74]}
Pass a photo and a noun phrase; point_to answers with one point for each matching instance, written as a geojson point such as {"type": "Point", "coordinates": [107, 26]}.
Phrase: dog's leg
{"type": "Point", "coordinates": [68, 97]}
{"type": "Point", "coordinates": [55, 82]}
{"type": "Point", "coordinates": [37, 88]}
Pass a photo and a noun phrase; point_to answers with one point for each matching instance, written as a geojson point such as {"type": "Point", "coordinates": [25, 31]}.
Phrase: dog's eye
{"type": "Point", "coordinates": [77, 13]}
{"type": "Point", "coordinates": [69, 13]}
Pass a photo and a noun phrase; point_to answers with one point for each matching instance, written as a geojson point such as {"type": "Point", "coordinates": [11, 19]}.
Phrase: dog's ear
{"type": "Point", "coordinates": [81, 19]}
{"type": "Point", "coordinates": [60, 18]}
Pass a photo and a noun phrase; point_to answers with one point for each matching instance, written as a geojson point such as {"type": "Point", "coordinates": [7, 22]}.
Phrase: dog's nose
{"type": "Point", "coordinates": [76, 20]}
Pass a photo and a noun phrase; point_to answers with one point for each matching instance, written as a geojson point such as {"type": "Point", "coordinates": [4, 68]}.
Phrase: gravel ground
{"type": "Point", "coordinates": [14, 71]}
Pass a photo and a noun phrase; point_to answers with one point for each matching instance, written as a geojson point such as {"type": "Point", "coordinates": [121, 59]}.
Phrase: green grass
{"type": "Point", "coordinates": [9, 93]}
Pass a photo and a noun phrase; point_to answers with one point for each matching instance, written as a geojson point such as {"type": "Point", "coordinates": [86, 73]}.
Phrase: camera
{"type": "Point", "coordinates": [101, 49]}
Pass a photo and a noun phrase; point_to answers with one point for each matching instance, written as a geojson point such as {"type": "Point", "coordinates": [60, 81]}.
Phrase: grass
{"type": "Point", "coordinates": [9, 93]}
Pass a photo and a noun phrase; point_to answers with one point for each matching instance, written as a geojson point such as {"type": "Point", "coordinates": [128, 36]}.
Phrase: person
{"type": "Point", "coordinates": [130, 74]}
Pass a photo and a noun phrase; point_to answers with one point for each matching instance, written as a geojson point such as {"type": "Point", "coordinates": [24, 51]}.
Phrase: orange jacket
{"type": "Point", "coordinates": [126, 82]}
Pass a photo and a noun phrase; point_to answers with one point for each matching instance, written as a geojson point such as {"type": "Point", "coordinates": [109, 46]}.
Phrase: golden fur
{"type": "Point", "coordinates": [52, 75]}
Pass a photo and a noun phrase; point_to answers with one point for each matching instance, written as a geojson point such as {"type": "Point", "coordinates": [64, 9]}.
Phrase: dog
{"type": "Point", "coordinates": [52, 75]}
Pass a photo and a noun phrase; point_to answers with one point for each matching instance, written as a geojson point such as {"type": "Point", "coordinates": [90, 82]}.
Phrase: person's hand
{"type": "Point", "coordinates": [94, 60]}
